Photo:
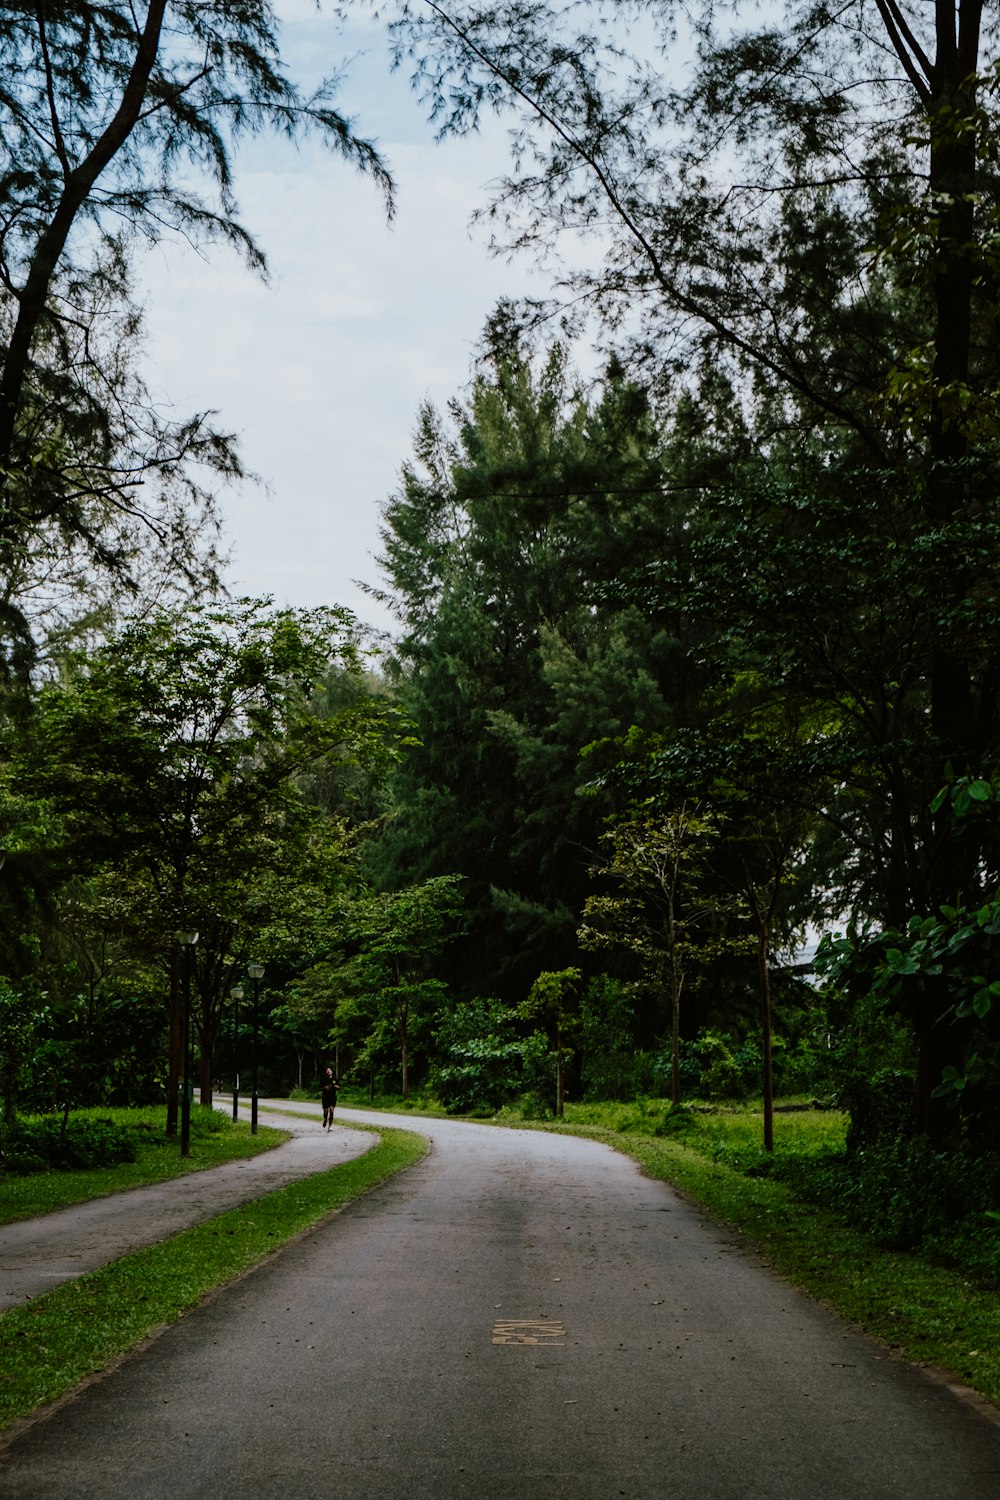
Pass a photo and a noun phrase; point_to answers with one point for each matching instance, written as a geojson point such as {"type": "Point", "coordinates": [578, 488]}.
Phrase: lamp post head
{"type": "Point", "coordinates": [237, 992]}
{"type": "Point", "coordinates": [188, 937]}
{"type": "Point", "coordinates": [255, 970]}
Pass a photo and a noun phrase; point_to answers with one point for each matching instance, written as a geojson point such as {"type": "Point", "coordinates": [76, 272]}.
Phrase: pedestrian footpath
{"type": "Point", "coordinates": [38, 1254]}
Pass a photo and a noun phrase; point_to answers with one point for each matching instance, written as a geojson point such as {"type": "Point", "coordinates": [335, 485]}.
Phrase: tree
{"type": "Point", "coordinates": [656, 863]}
{"type": "Point", "coordinates": [393, 989]}
{"type": "Point", "coordinates": [813, 215]}
{"type": "Point", "coordinates": [832, 599]}
{"type": "Point", "coordinates": [811, 218]}
{"type": "Point", "coordinates": [515, 519]}
{"type": "Point", "coordinates": [109, 116]}
{"type": "Point", "coordinates": [745, 769]}
{"type": "Point", "coordinates": [802, 135]}
{"type": "Point", "coordinates": [174, 753]}
{"type": "Point", "coordinates": [555, 998]}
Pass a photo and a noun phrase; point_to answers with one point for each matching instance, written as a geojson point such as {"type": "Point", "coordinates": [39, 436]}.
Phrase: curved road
{"type": "Point", "coordinates": [520, 1316]}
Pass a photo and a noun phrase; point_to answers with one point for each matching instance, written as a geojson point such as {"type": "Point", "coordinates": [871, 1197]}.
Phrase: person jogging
{"type": "Point", "coordinates": [329, 1086]}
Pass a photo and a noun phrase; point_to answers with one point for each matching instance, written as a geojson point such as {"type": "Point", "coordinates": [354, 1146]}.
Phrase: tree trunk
{"type": "Point", "coordinates": [676, 982]}
{"type": "Point", "coordinates": [175, 1064]}
{"type": "Point", "coordinates": [951, 858]}
{"type": "Point", "coordinates": [763, 953]}
{"type": "Point", "coordinates": [560, 1076]}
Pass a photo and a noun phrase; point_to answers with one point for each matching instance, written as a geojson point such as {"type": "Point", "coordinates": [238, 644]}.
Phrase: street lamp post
{"type": "Point", "coordinates": [237, 994]}
{"type": "Point", "coordinates": [255, 971]}
{"type": "Point", "coordinates": [187, 941]}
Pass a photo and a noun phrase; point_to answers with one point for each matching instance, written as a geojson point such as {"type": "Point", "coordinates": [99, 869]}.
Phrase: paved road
{"type": "Point", "coordinates": [37, 1254]}
{"type": "Point", "coordinates": [520, 1316]}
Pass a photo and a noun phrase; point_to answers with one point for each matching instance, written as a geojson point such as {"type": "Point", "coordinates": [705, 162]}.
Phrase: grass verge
{"type": "Point", "coordinates": [50, 1344]}
{"type": "Point", "coordinates": [214, 1140]}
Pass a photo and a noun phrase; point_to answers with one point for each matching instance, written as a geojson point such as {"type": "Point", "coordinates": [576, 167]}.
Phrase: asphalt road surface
{"type": "Point", "coordinates": [520, 1316]}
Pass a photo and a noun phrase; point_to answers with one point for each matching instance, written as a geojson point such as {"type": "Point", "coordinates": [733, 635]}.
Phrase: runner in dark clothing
{"type": "Point", "coordinates": [329, 1098]}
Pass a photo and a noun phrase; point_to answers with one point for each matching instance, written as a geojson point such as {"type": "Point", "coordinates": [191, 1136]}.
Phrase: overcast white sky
{"type": "Point", "coordinates": [321, 373]}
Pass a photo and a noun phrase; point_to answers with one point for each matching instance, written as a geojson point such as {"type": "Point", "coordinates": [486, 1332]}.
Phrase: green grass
{"type": "Point", "coordinates": [214, 1140]}
{"type": "Point", "coordinates": [50, 1344]}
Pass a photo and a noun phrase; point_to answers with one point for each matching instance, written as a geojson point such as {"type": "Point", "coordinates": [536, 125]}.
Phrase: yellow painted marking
{"type": "Point", "coordinates": [528, 1331]}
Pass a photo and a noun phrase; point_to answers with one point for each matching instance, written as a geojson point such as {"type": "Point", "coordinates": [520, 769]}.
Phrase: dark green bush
{"type": "Point", "coordinates": [486, 1063]}
{"type": "Point", "coordinates": [718, 1065]}
{"type": "Point", "coordinates": [480, 1076]}
{"type": "Point", "coordinates": [909, 1196]}
{"type": "Point", "coordinates": [678, 1120]}
{"type": "Point", "coordinates": [611, 1065]}
{"type": "Point", "coordinates": [46, 1145]}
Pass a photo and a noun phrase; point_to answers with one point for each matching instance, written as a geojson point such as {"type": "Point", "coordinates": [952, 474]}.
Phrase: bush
{"type": "Point", "coordinates": [485, 1063]}
{"type": "Point", "coordinates": [878, 1105]}
{"type": "Point", "coordinates": [716, 1066]}
{"type": "Point", "coordinates": [611, 1066]}
{"type": "Point", "coordinates": [46, 1145]}
{"type": "Point", "coordinates": [678, 1120]}
{"type": "Point", "coordinates": [480, 1077]}
{"type": "Point", "coordinates": [909, 1196]}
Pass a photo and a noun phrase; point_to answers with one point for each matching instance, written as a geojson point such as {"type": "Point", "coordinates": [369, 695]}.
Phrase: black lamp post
{"type": "Point", "coordinates": [237, 994]}
{"type": "Point", "coordinates": [255, 971]}
{"type": "Point", "coordinates": [187, 941]}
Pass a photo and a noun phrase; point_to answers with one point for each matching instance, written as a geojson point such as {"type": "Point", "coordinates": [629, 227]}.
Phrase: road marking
{"type": "Point", "coordinates": [528, 1331]}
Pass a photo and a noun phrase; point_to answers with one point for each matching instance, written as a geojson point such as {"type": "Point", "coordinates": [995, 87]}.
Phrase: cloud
{"type": "Point", "coordinates": [321, 372]}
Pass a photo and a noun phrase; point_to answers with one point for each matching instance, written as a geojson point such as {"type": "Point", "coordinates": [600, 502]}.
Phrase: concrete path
{"type": "Point", "coordinates": [520, 1316]}
{"type": "Point", "coordinates": [37, 1254]}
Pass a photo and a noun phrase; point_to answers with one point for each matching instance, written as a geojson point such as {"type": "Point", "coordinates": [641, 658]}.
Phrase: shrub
{"type": "Point", "coordinates": [45, 1145]}
{"type": "Point", "coordinates": [909, 1196]}
{"type": "Point", "coordinates": [480, 1076]}
{"type": "Point", "coordinates": [486, 1064]}
{"type": "Point", "coordinates": [716, 1066]}
{"type": "Point", "coordinates": [611, 1067]}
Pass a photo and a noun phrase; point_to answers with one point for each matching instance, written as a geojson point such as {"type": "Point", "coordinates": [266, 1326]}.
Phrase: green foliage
{"type": "Point", "coordinates": [509, 526]}
{"type": "Point", "coordinates": [50, 1144]}
{"type": "Point", "coordinates": [172, 762]}
{"type": "Point", "coordinates": [719, 1067]}
{"type": "Point", "coordinates": [907, 1196]}
{"type": "Point", "coordinates": [116, 124]}
{"type": "Point", "coordinates": [19, 1022]}
{"type": "Point", "coordinates": [942, 965]}
{"type": "Point", "coordinates": [486, 1063]}
{"type": "Point", "coordinates": [214, 1140]}
{"type": "Point", "coordinates": [835, 335]}
{"type": "Point", "coordinates": [611, 1065]}
{"type": "Point", "coordinates": [391, 995]}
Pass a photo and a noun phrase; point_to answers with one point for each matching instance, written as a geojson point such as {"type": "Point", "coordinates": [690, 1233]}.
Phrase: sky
{"type": "Point", "coordinates": [321, 372]}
